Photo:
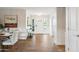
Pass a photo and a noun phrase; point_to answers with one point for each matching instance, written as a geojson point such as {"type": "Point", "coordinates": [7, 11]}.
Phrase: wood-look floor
{"type": "Point", "coordinates": [41, 45]}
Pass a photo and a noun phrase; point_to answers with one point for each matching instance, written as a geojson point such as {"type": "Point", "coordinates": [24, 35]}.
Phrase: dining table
{"type": "Point", "coordinates": [3, 36]}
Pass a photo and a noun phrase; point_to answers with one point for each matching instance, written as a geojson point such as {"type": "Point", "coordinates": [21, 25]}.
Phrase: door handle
{"type": "Point", "coordinates": [77, 35]}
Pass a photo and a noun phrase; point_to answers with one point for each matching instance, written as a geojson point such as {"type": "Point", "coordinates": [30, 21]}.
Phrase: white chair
{"type": "Point", "coordinates": [12, 40]}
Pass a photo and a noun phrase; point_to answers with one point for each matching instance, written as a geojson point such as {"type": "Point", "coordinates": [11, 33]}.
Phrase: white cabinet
{"type": "Point", "coordinates": [23, 35]}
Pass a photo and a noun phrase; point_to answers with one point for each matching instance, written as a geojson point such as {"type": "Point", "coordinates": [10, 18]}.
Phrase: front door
{"type": "Point", "coordinates": [41, 24]}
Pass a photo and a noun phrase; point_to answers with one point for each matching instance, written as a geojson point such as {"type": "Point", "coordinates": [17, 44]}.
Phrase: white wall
{"type": "Point", "coordinates": [60, 26]}
{"type": "Point", "coordinates": [20, 12]}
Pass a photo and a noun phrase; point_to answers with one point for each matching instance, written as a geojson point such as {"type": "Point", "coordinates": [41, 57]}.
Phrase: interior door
{"type": "Point", "coordinates": [72, 40]}
{"type": "Point", "coordinates": [77, 48]}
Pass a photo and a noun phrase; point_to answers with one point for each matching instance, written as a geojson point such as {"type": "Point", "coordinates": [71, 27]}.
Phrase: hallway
{"type": "Point", "coordinates": [41, 45]}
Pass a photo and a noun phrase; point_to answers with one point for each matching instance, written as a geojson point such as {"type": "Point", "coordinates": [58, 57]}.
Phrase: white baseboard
{"type": "Point", "coordinates": [59, 43]}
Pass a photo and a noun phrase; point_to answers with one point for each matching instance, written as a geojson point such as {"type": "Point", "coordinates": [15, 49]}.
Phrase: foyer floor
{"type": "Point", "coordinates": [40, 45]}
